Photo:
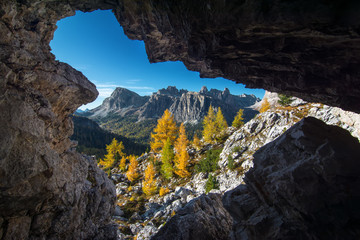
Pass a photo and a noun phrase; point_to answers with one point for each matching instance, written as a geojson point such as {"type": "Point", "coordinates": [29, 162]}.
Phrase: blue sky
{"type": "Point", "coordinates": [95, 44]}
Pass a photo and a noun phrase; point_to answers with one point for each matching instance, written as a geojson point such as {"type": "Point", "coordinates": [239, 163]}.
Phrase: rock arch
{"type": "Point", "coordinates": [309, 49]}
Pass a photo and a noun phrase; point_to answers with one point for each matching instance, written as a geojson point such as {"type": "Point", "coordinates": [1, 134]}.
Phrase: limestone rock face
{"type": "Point", "coordinates": [299, 187]}
{"type": "Point", "coordinates": [121, 102]}
{"type": "Point", "coordinates": [186, 106]}
{"type": "Point", "coordinates": [202, 218]}
{"type": "Point", "coordinates": [47, 190]}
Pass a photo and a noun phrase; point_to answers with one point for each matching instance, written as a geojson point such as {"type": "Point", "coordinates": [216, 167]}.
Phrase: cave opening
{"type": "Point", "coordinates": [95, 44]}
{"type": "Point", "coordinates": [305, 183]}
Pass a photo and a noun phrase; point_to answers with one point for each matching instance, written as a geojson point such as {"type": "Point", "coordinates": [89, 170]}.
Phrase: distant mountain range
{"type": "Point", "coordinates": [186, 106]}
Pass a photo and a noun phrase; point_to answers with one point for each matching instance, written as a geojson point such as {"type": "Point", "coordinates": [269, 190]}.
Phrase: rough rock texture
{"type": "Point", "coordinates": [202, 218]}
{"type": "Point", "coordinates": [122, 102]}
{"type": "Point", "coordinates": [307, 49]}
{"type": "Point", "coordinates": [186, 106]}
{"type": "Point", "coordinates": [304, 185]}
{"type": "Point", "coordinates": [47, 190]}
{"type": "Point", "coordinates": [268, 126]}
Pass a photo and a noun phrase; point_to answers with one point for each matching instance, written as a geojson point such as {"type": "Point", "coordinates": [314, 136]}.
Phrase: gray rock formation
{"type": "Point", "coordinates": [299, 188]}
{"type": "Point", "coordinates": [186, 106]}
{"type": "Point", "coordinates": [47, 191]}
{"type": "Point", "coordinates": [303, 189]}
{"type": "Point", "coordinates": [202, 218]}
{"type": "Point", "coordinates": [281, 46]}
{"type": "Point", "coordinates": [121, 102]}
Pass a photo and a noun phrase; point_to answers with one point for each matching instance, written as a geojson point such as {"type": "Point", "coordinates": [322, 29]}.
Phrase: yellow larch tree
{"type": "Point", "coordinates": [196, 142]}
{"type": "Point", "coordinates": [209, 126]}
{"type": "Point", "coordinates": [114, 153]}
{"type": "Point", "coordinates": [163, 191]}
{"type": "Point", "coordinates": [149, 183]}
{"type": "Point", "coordinates": [132, 173]}
{"type": "Point", "coordinates": [122, 164]}
{"type": "Point", "coordinates": [239, 119]}
{"type": "Point", "coordinates": [165, 128]}
{"type": "Point", "coordinates": [265, 105]}
{"type": "Point", "coordinates": [181, 156]}
{"type": "Point", "coordinates": [220, 121]}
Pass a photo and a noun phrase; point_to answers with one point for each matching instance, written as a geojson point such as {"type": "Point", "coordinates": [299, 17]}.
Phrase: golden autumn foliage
{"type": "Point", "coordinates": [114, 152]}
{"type": "Point", "coordinates": [166, 128]}
{"type": "Point", "coordinates": [220, 121]}
{"type": "Point", "coordinates": [181, 156]}
{"type": "Point", "coordinates": [163, 191]}
{"type": "Point", "coordinates": [149, 183]}
{"type": "Point", "coordinates": [213, 125]}
{"type": "Point", "coordinates": [239, 119]}
{"type": "Point", "coordinates": [265, 106]}
{"type": "Point", "coordinates": [132, 173]}
{"type": "Point", "coordinates": [209, 126]}
{"type": "Point", "coordinates": [196, 142]}
{"type": "Point", "coordinates": [122, 164]}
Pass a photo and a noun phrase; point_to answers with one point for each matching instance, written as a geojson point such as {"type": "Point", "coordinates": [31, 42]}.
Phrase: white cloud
{"type": "Point", "coordinates": [104, 85]}
{"type": "Point", "coordinates": [105, 92]}
{"type": "Point", "coordinates": [146, 93]}
{"type": "Point", "coordinates": [105, 89]}
{"type": "Point", "coordinates": [139, 88]}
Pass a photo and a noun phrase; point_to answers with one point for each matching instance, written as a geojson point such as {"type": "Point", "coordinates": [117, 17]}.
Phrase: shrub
{"type": "Point", "coordinates": [236, 149]}
{"type": "Point", "coordinates": [231, 163]}
{"type": "Point", "coordinates": [211, 183]}
{"type": "Point", "coordinates": [210, 162]}
{"type": "Point", "coordinates": [285, 100]}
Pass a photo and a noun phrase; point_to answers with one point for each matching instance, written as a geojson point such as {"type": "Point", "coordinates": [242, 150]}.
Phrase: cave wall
{"type": "Point", "coordinates": [309, 49]}
{"type": "Point", "coordinates": [48, 191]}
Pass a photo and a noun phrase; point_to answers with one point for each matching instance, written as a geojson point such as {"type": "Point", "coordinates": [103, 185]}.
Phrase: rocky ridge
{"type": "Point", "coordinates": [186, 106]}
{"type": "Point", "coordinates": [241, 145]}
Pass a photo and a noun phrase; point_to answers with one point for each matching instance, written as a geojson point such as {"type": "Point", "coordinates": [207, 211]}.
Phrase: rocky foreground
{"type": "Point", "coordinates": [244, 197]}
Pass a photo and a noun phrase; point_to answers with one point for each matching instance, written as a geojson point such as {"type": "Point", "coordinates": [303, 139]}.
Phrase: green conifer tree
{"type": "Point", "coordinates": [167, 156]}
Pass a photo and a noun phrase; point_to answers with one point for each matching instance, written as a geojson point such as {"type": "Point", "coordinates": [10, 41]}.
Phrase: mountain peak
{"type": "Point", "coordinates": [121, 90]}
{"type": "Point", "coordinates": [226, 91]}
{"type": "Point", "coordinates": [203, 90]}
{"type": "Point", "coordinates": [171, 90]}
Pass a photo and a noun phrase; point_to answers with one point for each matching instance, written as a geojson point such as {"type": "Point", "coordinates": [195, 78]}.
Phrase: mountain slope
{"type": "Point", "coordinates": [121, 102]}
{"type": "Point", "coordinates": [92, 139]}
{"type": "Point", "coordinates": [240, 146]}
{"type": "Point", "coordinates": [186, 106]}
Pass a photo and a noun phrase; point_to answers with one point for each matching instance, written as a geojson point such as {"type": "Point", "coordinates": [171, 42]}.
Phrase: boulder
{"type": "Point", "coordinates": [202, 218]}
